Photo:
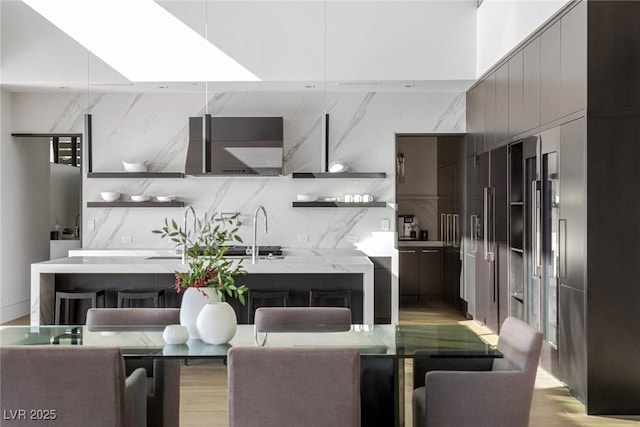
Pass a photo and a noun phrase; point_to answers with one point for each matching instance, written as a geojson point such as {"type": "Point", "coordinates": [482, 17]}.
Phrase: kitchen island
{"type": "Point", "coordinates": [298, 271]}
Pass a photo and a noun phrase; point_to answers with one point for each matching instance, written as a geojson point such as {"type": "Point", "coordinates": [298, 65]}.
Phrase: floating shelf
{"type": "Point", "coordinates": [351, 175]}
{"type": "Point", "coordinates": [339, 205]}
{"type": "Point", "coordinates": [135, 175]}
{"type": "Point", "coordinates": [131, 204]}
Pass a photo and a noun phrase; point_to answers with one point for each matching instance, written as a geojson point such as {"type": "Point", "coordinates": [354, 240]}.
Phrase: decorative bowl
{"type": "Point", "coordinates": [165, 198]}
{"type": "Point", "coordinates": [135, 167]}
{"type": "Point", "coordinates": [175, 334]}
{"type": "Point", "coordinates": [140, 198]}
{"type": "Point", "coordinates": [306, 198]}
{"type": "Point", "coordinates": [109, 196]}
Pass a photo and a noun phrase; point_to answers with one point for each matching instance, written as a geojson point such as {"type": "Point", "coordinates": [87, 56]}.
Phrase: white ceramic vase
{"type": "Point", "coordinates": [217, 323]}
{"type": "Point", "coordinates": [193, 301]}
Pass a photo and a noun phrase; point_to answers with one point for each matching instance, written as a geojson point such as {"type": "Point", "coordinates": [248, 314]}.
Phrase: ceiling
{"type": "Point", "coordinates": [303, 45]}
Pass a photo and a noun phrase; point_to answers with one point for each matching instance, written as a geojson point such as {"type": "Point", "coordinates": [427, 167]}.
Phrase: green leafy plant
{"type": "Point", "coordinates": [206, 246]}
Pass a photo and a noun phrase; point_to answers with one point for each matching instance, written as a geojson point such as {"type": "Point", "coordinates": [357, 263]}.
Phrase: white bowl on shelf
{"type": "Point", "coordinates": [135, 167]}
{"type": "Point", "coordinates": [165, 198]}
{"type": "Point", "coordinates": [140, 198]}
{"type": "Point", "coordinates": [109, 196]}
{"type": "Point", "coordinates": [306, 198]}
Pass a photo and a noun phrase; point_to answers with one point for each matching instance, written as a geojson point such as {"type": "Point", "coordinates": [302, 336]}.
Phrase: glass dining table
{"type": "Point", "coordinates": [383, 349]}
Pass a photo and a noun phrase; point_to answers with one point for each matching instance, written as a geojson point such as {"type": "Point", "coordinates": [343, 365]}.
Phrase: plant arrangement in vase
{"type": "Point", "coordinates": [205, 246]}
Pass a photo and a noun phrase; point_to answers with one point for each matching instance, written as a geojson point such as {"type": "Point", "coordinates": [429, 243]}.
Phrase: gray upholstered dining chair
{"type": "Point", "coordinates": [294, 386]}
{"type": "Point", "coordinates": [499, 397]}
{"type": "Point", "coordinates": [300, 319]}
{"type": "Point", "coordinates": [70, 386]}
{"type": "Point", "coordinates": [163, 384]}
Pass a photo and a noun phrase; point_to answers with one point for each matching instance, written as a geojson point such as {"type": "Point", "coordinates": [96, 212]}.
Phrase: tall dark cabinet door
{"type": "Point", "coordinates": [483, 277]}
{"type": "Point", "coordinates": [498, 182]}
{"type": "Point", "coordinates": [572, 259]}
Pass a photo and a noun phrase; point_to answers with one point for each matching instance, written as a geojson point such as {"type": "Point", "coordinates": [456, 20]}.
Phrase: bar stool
{"type": "Point", "coordinates": [320, 298]}
{"type": "Point", "coordinates": [272, 296]}
{"type": "Point", "coordinates": [125, 297]}
{"type": "Point", "coordinates": [68, 296]}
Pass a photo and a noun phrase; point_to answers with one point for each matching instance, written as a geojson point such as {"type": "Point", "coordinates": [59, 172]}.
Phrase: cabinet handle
{"type": "Point", "coordinates": [562, 248]}
{"type": "Point", "coordinates": [456, 230]}
{"type": "Point", "coordinates": [407, 252]}
{"type": "Point", "coordinates": [449, 221]}
{"type": "Point", "coordinates": [443, 238]}
{"type": "Point", "coordinates": [474, 233]}
{"type": "Point", "coordinates": [485, 222]}
{"type": "Point", "coordinates": [535, 227]}
{"type": "Point", "coordinates": [429, 251]}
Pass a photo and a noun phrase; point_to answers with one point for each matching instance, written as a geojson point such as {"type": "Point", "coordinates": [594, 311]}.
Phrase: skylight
{"type": "Point", "coordinates": [141, 40]}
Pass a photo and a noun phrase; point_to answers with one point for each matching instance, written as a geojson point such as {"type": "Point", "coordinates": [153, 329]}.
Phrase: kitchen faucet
{"type": "Point", "coordinates": [255, 248]}
{"type": "Point", "coordinates": [185, 257]}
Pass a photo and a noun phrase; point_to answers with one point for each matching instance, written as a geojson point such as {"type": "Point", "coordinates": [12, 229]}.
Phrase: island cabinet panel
{"type": "Point", "coordinates": [573, 63]}
{"type": "Point", "coordinates": [382, 289]}
{"type": "Point", "coordinates": [550, 77]}
{"type": "Point", "coordinates": [297, 284]}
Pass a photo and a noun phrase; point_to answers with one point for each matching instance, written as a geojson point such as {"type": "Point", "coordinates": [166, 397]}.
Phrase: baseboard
{"type": "Point", "coordinates": [15, 311]}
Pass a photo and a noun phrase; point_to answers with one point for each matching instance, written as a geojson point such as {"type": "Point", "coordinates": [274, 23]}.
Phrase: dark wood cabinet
{"type": "Point", "coordinates": [531, 85]}
{"type": "Point", "coordinates": [502, 103]}
{"type": "Point", "coordinates": [550, 76]}
{"type": "Point", "coordinates": [409, 271]}
{"type": "Point", "coordinates": [516, 93]}
{"type": "Point", "coordinates": [475, 117]}
{"type": "Point", "coordinates": [430, 273]}
{"type": "Point", "coordinates": [573, 60]}
{"type": "Point", "coordinates": [490, 118]}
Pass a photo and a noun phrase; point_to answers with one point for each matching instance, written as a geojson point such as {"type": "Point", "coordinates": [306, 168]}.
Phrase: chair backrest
{"type": "Point", "coordinates": [302, 319]}
{"type": "Point", "coordinates": [133, 316]}
{"type": "Point", "coordinates": [163, 403]}
{"type": "Point", "coordinates": [292, 387]}
{"type": "Point", "coordinates": [521, 345]}
{"type": "Point", "coordinates": [84, 385]}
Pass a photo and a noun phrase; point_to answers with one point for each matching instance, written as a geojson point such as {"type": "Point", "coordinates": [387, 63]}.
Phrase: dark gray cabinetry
{"type": "Point", "coordinates": [490, 113]}
{"type": "Point", "coordinates": [409, 274]}
{"type": "Point", "coordinates": [502, 103]}
{"type": "Point", "coordinates": [475, 118]}
{"type": "Point", "coordinates": [382, 289]}
{"type": "Point", "coordinates": [430, 273]}
{"type": "Point", "coordinates": [571, 264]}
{"type": "Point", "coordinates": [516, 94]}
{"type": "Point", "coordinates": [531, 85]}
{"type": "Point", "coordinates": [573, 60]}
{"type": "Point", "coordinates": [550, 76]}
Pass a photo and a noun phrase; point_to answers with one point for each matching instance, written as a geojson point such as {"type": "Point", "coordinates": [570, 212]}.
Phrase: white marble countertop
{"type": "Point", "coordinates": [154, 261]}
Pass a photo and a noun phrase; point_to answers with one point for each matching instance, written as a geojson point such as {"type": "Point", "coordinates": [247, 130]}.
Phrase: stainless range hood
{"type": "Point", "coordinates": [235, 146]}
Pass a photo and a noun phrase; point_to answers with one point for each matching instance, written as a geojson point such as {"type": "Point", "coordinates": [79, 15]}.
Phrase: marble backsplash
{"type": "Point", "coordinates": [426, 213]}
{"type": "Point", "coordinates": [154, 127]}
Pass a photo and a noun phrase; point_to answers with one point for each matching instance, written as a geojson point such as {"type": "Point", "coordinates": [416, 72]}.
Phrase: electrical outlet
{"type": "Point", "coordinates": [126, 239]}
{"type": "Point", "coordinates": [385, 224]}
{"type": "Point", "coordinates": [352, 239]}
{"type": "Point", "coordinates": [91, 224]}
{"type": "Point", "coordinates": [303, 238]}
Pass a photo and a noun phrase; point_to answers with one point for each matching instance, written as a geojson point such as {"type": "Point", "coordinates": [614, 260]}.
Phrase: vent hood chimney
{"type": "Point", "coordinates": [235, 146]}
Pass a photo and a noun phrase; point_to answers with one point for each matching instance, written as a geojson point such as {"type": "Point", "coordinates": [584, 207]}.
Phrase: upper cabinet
{"type": "Point", "coordinates": [516, 94]}
{"type": "Point", "coordinates": [550, 77]}
{"type": "Point", "coordinates": [531, 85]}
{"type": "Point", "coordinates": [573, 59]}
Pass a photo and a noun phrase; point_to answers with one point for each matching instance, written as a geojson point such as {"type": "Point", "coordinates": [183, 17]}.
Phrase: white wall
{"type": "Point", "coordinates": [24, 202]}
{"type": "Point", "coordinates": [502, 24]}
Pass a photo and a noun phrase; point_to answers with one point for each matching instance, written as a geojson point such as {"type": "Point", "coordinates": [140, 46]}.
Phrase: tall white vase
{"type": "Point", "coordinates": [217, 323]}
{"type": "Point", "coordinates": [193, 301]}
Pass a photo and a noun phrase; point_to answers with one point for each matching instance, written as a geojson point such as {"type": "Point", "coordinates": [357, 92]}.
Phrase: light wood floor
{"type": "Point", "coordinates": [204, 386]}
{"type": "Point", "coordinates": [203, 400]}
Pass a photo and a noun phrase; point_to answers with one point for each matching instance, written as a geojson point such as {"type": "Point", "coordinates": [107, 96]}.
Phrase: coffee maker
{"type": "Point", "coordinates": [407, 227]}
